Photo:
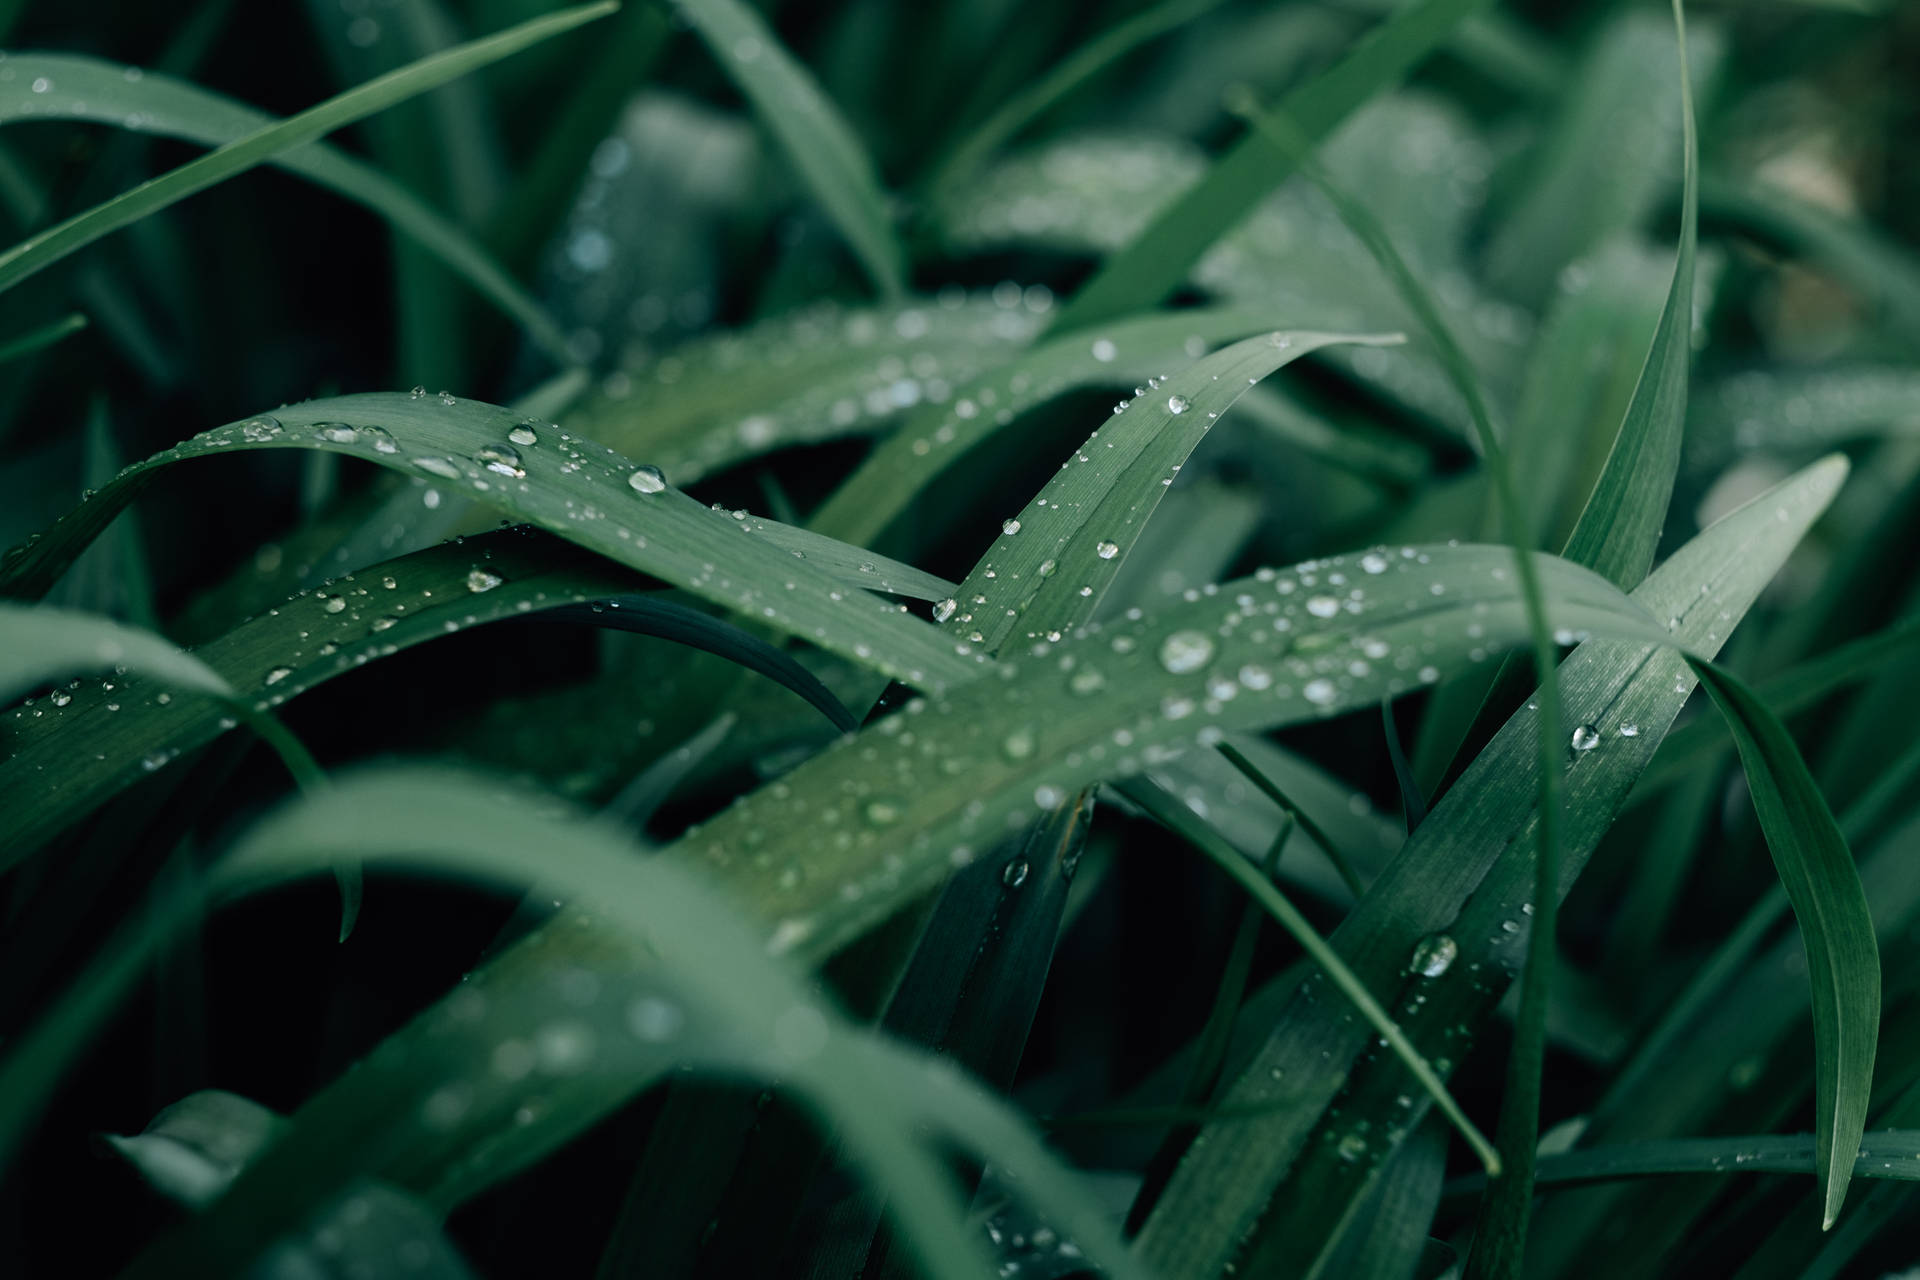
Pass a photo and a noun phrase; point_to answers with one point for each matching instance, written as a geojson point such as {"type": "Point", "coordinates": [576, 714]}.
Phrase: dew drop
{"type": "Point", "coordinates": [1320, 693]}
{"type": "Point", "coordinates": [1104, 351]}
{"type": "Point", "coordinates": [258, 430]}
{"type": "Point", "coordinates": [1629, 730]}
{"type": "Point", "coordinates": [1586, 738]}
{"type": "Point", "coordinates": [1178, 404]}
{"type": "Point", "coordinates": [1009, 526]}
{"type": "Point", "coordinates": [1323, 606]}
{"type": "Point", "coordinates": [1106, 550]}
{"type": "Point", "coordinates": [1014, 874]}
{"type": "Point", "coordinates": [337, 432]}
{"type": "Point", "coordinates": [945, 609]}
{"type": "Point", "coordinates": [1433, 954]}
{"type": "Point", "coordinates": [881, 813]}
{"type": "Point", "coordinates": [480, 580]}
{"type": "Point", "coordinates": [442, 467]}
{"type": "Point", "coordinates": [523, 435]}
{"type": "Point", "coordinates": [278, 674]}
{"type": "Point", "coordinates": [1185, 651]}
{"type": "Point", "coordinates": [501, 459]}
{"type": "Point", "coordinates": [647, 479]}
{"type": "Point", "coordinates": [1017, 745]}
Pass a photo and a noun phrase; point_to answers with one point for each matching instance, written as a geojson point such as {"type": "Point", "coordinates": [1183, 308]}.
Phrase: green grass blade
{"type": "Point", "coordinates": [68, 757]}
{"type": "Point", "coordinates": [1619, 528]}
{"type": "Point", "coordinates": [47, 247]}
{"type": "Point", "coordinates": [1056, 557]}
{"type": "Point", "coordinates": [87, 89]}
{"type": "Point", "coordinates": [1155, 263]}
{"type": "Point", "coordinates": [44, 645]}
{"type": "Point", "coordinates": [1084, 63]}
{"type": "Point", "coordinates": [579, 490]}
{"type": "Point", "coordinates": [1883, 1153]}
{"type": "Point", "coordinates": [1182, 821]}
{"type": "Point", "coordinates": [45, 336]}
{"type": "Point", "coordinates": [1843, 960]}
{"type": "Point", "coordinates": [936, 436]}
{"type": "Point", "coordinates": [821, 145]}
{"type": "Point", "coordinates": [1280, 1177]}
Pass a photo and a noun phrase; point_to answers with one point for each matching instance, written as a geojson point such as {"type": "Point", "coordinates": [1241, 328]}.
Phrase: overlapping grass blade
{"type": "Point", "coordinates": [821, 145]}
{"type": "Point", "coordinates": [936, 436]}
{"type": "Point", "coordinates": [1157, 261]}
{"type": "Point", "coordinates": [1181, 820]}
{"type": "Point", "coordinates": [1467, 873]}
{"type": "Point", "coordinates": [707, 995]}
{"type": "Point", "coordinates": [1883, 1153]}
{"type": "Point", "coordinates": [582, 491]}
{"type": "Point", "coordinates": [82, 746]}
{"type": "Point", "coordinates": [93, 91]}
{"type": "Point", "coordinates": [1056, 557]}
{"type": "Point", "coordinates": [44, 248]}
{"type": "Point", "coordinates": [1843, 961]}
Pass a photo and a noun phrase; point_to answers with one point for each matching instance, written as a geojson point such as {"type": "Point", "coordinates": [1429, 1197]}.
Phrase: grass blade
{"type": "Point", "coordinates": [1155, 263]}
{"type": "Point", "coordinates": [823, 148]}
{"type": "Point", "coordinates": [47, 247]}
{"type": "Point", "coordinates": [581, 491]}
{"type": "Point", "coordinates": [87, 89]}
{"type": "Point", "coordinates": [1843, 960]}
{"type": "Point", "coordinates": [1182, 821]}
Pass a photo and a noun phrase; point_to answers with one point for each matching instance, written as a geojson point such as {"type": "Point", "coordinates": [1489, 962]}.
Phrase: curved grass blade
{"type": "Point", "coordinates": [936, 436]}
{"type": "Point", "coordinates": [45, 336]}
{"type": "Point", "coordinates": [1154, 264]}
{"type": "Point", "coordinates": [1843, 960]}
{"type": "Point", "coordinates": [583, 492]}
{"type": "Point", "coordinates": [84, 745]}
{"type": "Point", "coordinates": [194, 1148]}
{"type": "Point", "coordinates": [47, 247]}
{"type": "Point", "coordinates": [90, 90]}
{"type": "Point", "coordinates": [711, 983]}
{"type": "Point", "coordinates": [822, 146]}
{"type": "Point", "coordinates": [1182, 821]}
{"type": "Point", "coordinates": [1056, 558]}
{"type": "Point", "coordinates": [1085, 62]}
{"type": "Point", "coordinates": [1467, 873]}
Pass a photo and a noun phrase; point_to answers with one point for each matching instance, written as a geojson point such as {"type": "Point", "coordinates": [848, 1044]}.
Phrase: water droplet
{"type": "Point", "coordinates": [1373, 562]}
{"type": "Point", "coordinates": [384, 623]}
{"type": "Point", "coordinates": [1014, 874]}
{"type": "Point", "coordinates": [1433, 954]}
{"type": "Point", "coordinates": [1104, 351]}
{"type": "Point", "coordinates": [336, 432]}
{"type": "Point", "coordinates": [447, 398]}
{"type": "Point", "coordinates": [1086, 680]}
{"type": "Point", "coordinates": [1010, 526]}
{"type": "Point", "coordinates": [1351, 1148]}
{"type": "Point", "coordinates": [882, 813]}
{"type": "Point", "coordinates": [945, 609]}
{"type": "Point", "coordinates": [442, 467]}
{"type": "Point", "coordinates": [501, 459]}
{"type": "Point", "coordinates": [1017, 745]}
{"type": "Point", "coordinates": [647, 479]}
{"type": "Point", "coordinates": [1586, 738]}
{"type": "Point", "coordinates": [1106, 550]}
{"type": "Point", "coordinates": [278, 674]}
{"type": "Point", "coordinates": [480, 580]}
{"type": "Point", "coordinates": [1323, 606]}
{"type": "Point", "coordinates": [258, 430]}
{"type": "Point", "coordinates": [1629, 730]}
{"type": "Point", "coordinates": [418, 393]}
{"type": "Point", "coordinates": [1185, 651]}
{"type": "Point", "coordinates": [1178, 404]}
{"type": "Point", "coordinates": [333, 604]}
{"type": "Point", "coordinates": [380, 438]}
{"type": "Point", "coordinates": [1320, 693]}
{"type": "Point", "coordinates": [523, 435]}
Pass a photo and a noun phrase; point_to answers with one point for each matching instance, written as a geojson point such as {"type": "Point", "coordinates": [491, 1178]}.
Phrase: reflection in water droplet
{"type": "Point", "coordinates": [1014, 874]}
{"type": "Point", "coordinates": [945, 609]}
{"type": "Point", "coordinates": [501, 459]}
{"type": "Point", "coordinates": [1433, 955]}
{"type": "Point", "coordinates": [1586, 738]}
{"type": "Point", "coordinates": [647, 479]}
{"type": "Point", "coordinates": [1106, 550]}
{"type": "Point", "coordinates": [480, 580]}
{"type": "Point", "coordinates": [442, 467]}
{"type": "Point", "coordinates": [1009, 526]}
{"type": "Point", "coordinates": [1178, 404]}
{"type": "Point", "coordinates": [336, 432]}
{"type": "Point", "coordinates": [523, 434]}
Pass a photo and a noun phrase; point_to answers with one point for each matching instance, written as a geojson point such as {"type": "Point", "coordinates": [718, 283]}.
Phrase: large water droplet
{"type": "Point", "coordinates": [1014, 874]}
{"type": "Point", "coordinates": [1178, 404]}
{"type": "Point", "coordinates": [1323, 606]}
{"type": "Point", "coordinates": [501, 459]}
{"type": "Point", "coordinates": [1009, 526]}
{"type": "Point", "coordinates": [258, 430]}
{"type": "Point", "coordinates": [1104, 351]}
{"type": "Point", "coordinates": [442, 467]}
{"type": "Point", "coordinates": [945, 609]}
{"type": "Point", "coordinates": [523, 435]}
{"type": "Point", "coordinates": [1320, 693]}
{"type": "Point", "coordinates": [480, 580]}
{"type": "Point", "coordinates": [336, 432]}
{"type": "Point", "coordinates": [1106, 550]}
{"type": "Point", "coordinates": [1433, 954]}
{"type": "Point", "coordinates": [647, 479]}
{"type": "Point", "coordinates": [1185, 651]}
{"type": "Point", "coordinates": [1586, 738]}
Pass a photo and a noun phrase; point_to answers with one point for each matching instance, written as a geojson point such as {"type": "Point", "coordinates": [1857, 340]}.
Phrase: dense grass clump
{"type": "Point", "coordinates": [958, 639]}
